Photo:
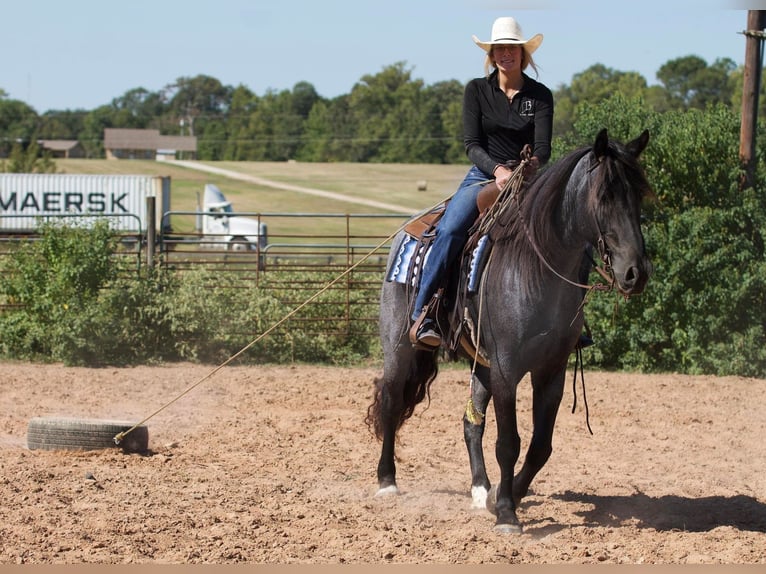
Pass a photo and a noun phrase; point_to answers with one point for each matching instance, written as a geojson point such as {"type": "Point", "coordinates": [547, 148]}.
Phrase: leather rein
{"type": "Point", "coordinates": [606, 272]}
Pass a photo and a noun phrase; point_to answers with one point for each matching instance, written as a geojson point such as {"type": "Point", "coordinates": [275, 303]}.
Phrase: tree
{"type": "Point", "coordinates": [92, 135]}
{"type": "Point", "coordinates": [691, 83]}
{"type": "Point", "coordinates": [28, 160]}
{"type": "Point", "coordinates": [238, 145]}
{"type": "Point", "coordinates": [138, 108]}
{"type": "Point", "coordinates": [61, 125]}
{"type": "Point", "coordinates": [304, 97]}
{"type": "Point", "coordinates": [18, 123]}
{"type": "Point", "coordinates": [190, 98]}
{"type": "Point", "coordinates": [446, 125]}
{"type": "Point", "coordinates": [274, 128]}
{"type": "Point", "coordinates": [594, 85]}
{"type": "Point", "coordinates": [703, 309]}
{"type": "Point", "coordinates": [371, 100]}
{"type": "Point", "coordinates": [328, 133]}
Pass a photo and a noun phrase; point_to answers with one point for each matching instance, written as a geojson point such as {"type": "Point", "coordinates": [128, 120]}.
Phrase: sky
{"type": "Point", "coordinates": [81, 54]}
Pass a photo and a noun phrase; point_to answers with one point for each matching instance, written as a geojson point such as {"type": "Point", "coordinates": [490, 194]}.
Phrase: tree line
{"type": "Point", "coordinates": [702, 312]}
{"type": "Point", "coordinates": [387, 117]}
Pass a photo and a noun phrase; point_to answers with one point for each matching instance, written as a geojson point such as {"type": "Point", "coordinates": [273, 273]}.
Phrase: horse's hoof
{"type": "Point", "coordinates": [387, 491]}
{"type": "Point", "coordinates": [508, 528]}
{"type": "Point", "coordinates": [478, 498]}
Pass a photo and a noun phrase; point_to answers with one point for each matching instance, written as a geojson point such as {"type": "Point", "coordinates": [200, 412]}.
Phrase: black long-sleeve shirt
{"type": "Point", "coordinates": [495, 130]}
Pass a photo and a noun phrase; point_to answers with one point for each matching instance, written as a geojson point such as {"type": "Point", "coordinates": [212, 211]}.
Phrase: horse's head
{"type": "Point", "coordinates": [618, 185]}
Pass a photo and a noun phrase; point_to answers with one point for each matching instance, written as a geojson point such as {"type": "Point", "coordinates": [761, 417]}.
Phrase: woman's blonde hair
{"type": "Point", "coordinates": [526, 60]}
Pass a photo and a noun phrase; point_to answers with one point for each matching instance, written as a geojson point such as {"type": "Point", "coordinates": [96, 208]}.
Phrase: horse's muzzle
{"type": "Point", "coordinates": [633, 280]}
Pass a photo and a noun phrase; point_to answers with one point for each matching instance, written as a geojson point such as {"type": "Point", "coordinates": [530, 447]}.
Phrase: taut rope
{"type": "Point", "coordinates": [118, 438]}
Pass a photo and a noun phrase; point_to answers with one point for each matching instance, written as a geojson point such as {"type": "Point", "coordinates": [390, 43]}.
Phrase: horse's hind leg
{"type": "Point", "coordinates": [474, 421]}
{"type": "Point", "coordinates": [389, 409]}
{"type": "Point", "coordinates": [546, 398]}
{"type": "Point", "coordinates": [407, 376]}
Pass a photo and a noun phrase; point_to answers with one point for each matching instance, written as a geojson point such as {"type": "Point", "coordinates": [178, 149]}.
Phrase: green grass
{"type": "Point", "coordinates": [390, 183]}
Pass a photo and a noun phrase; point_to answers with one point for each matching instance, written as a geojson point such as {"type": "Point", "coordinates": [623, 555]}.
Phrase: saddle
{"type": "Point", "coordinates": [422, 226]}
{"type": "Point", "coordinates": [425, 224]}
{"type": "Point", "coordinates": [447, 305]}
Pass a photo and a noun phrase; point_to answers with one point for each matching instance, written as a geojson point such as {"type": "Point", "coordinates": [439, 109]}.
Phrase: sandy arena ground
{"type": "Point", "coordinates": [276, 465]}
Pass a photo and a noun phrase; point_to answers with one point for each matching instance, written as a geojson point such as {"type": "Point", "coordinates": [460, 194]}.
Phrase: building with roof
{"type": "Point", "coordinates": [67, 149]}
{"type": "Point", "coordinates": [147, 144]}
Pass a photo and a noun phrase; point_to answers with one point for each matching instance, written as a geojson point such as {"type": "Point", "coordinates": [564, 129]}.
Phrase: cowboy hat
{"type": "Point", "coordinates": [506, 30]}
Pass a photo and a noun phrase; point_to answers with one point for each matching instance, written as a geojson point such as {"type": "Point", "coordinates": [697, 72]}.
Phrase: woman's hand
{"type": "Point", "coordinates": [530, 169]}
{"type": "Point", "coordinates": [502, 174]}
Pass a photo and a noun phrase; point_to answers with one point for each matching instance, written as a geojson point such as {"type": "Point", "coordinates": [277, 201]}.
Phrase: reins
{"type": "Point", "coordinates": [579, 362]}
{"type": "Point", "coordinates": [606, 273]}
{"type": "Point", "coordinates": [510, 193]}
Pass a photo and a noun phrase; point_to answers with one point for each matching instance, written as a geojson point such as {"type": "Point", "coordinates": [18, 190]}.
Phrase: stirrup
{"type": "Point", "coordinates": [424, 336]}
{"type": "Point", "coordinates": [428, 335]}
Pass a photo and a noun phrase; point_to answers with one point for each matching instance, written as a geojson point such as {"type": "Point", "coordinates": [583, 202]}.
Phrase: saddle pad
{"type": "Point", "coordinates": [476, 265]}
{"type": "Point", "coordinates": [406, 266]}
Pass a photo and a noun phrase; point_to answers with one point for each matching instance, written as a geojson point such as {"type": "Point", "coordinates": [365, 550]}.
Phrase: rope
{"type": "Point", "coordinates": [513, 184]}
{"type": "Point", "coordinates": [120, 436]}
{"type": "Point", "coordinates": [579, 361]}
{"type": "Point", "coordinates": [500, 204]}
{"type": "Point", "coordinates": [595, 286]}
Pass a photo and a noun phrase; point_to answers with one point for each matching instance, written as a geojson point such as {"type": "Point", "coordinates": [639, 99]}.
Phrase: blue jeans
{"type": "Point", "coordinates": [451, 235]}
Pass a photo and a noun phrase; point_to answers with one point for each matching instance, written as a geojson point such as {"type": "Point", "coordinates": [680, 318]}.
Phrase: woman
{"type": "Point", "coordinates": [502, 112]}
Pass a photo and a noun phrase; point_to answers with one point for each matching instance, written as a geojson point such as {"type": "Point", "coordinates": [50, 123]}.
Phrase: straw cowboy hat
{"type": "Point", "coordinates": [506, 30]}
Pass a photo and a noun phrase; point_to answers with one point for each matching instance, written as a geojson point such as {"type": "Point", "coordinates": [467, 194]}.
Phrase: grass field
{"type": "Point", "coordinates": [394, 183]}
{"type": "Point", "coordinates": [390, 183]}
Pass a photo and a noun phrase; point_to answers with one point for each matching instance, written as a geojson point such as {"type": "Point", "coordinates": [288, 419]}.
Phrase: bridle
{"type": "Point", "coordinates": [606, 271]}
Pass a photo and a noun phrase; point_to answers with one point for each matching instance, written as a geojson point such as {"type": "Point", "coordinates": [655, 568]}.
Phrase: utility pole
{"type": "Point", "coordinates": [754, 34]}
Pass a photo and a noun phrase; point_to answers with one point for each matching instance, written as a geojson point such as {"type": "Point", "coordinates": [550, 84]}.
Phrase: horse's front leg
{"type": "Point", "coordinates": [507, 452]}
{"type": "Point", "coordinates": [474, 421]}
{"type": "Point", "coordinates": [548, 390]}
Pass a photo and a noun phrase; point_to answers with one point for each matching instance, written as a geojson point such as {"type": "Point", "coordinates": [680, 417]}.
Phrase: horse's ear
{"type": "Point", "coordinates": [639, 144]}
{"type": "Point", "coordinates": [601, 145]}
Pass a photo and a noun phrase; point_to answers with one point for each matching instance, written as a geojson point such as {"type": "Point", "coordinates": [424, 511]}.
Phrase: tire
{"type": "Point", "coordinates": [238, 244]}
{"type": "Point", "coordinates": [84, 434]}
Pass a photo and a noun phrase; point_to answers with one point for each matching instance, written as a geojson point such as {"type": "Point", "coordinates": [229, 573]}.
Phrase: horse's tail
{"type": "Point", "coordinates": [417, 387]}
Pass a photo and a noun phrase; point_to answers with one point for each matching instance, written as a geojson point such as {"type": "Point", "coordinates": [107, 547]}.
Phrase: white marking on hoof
{"type": "Point", "coordinates": [387, 491]}
{"type": "Point", "coordinates": [478, 498]}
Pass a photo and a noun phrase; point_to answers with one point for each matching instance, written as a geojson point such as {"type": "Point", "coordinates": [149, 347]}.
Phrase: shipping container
{"type": "Point", "coordinates": [27, 200]}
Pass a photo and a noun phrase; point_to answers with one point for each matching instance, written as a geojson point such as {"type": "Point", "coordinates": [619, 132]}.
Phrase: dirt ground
{"type": "Point", "coordinates": [276, 465]}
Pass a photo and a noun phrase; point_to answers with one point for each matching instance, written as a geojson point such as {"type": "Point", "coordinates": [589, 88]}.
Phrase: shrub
{"type": "Point", "coordinates": [54, 280]}
{"type": "Point", "coordinates": [702, 311]}
{"type": "Point", "coordinates": [82, 305]}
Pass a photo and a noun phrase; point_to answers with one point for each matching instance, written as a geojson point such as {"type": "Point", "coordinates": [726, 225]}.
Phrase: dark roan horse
{"type": "Point", "coordinates": [528, 313]}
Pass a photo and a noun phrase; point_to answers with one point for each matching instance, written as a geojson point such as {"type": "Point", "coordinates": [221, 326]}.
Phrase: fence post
{"type": "Point", "coordinates": [151, 231]}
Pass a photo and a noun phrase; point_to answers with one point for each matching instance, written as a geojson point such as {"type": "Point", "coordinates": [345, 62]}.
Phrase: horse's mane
{"type": "Point", "coordinates": [540, 198]}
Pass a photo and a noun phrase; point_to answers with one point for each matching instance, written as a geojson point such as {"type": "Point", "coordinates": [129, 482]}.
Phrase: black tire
{"type": "Point", "coordinates": [238, 244]}
{"type": "Point", "coordinates": [84, 434]}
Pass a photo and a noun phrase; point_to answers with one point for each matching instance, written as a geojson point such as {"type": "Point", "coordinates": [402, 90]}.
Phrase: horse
{"type": "Point", "coordinates": [527, 314]}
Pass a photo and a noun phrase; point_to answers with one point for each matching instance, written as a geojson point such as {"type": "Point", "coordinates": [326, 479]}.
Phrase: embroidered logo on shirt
{"type": "Point", "coordinates": [526, 108]}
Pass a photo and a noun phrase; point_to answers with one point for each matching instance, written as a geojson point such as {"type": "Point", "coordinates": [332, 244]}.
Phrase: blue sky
{"type": "Point", "coordinates": [80, 54]}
